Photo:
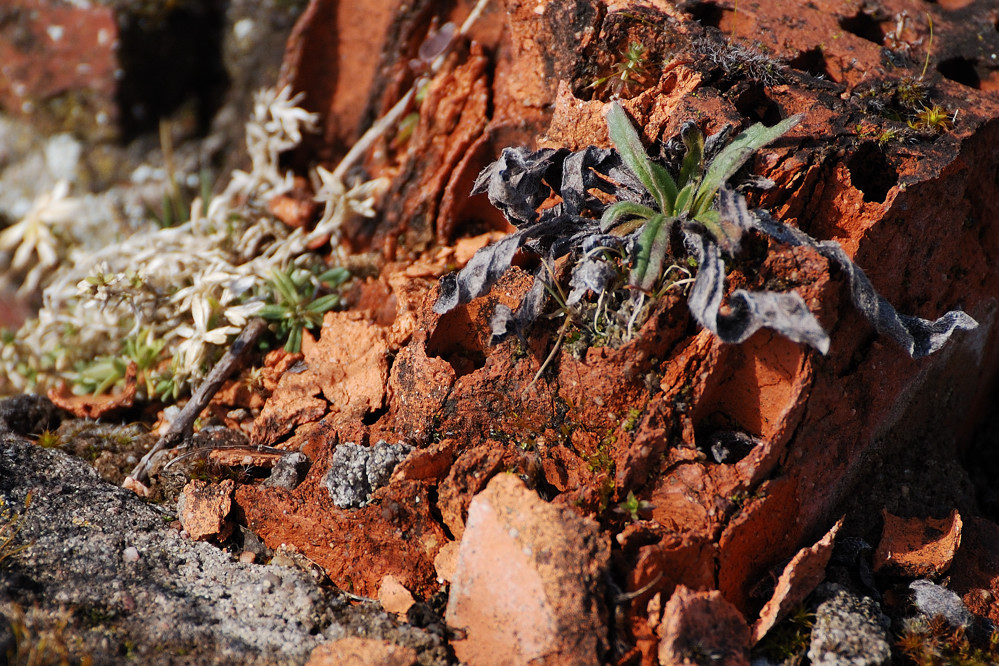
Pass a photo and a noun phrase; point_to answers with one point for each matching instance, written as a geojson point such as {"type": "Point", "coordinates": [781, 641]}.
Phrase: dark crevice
{"type": "Point", "coordinates": [864, 26]}
{"type": "Point", "coordinates": [371, 418]}
{"type": "Point", "coordinates": [871, 173]}
{"type": "Point", "coordinates": [706, 13]}
{"type": "Point", "coordinates": [812, 61]}
{"type": "Point", "coordinates": [752, 102]}
{"type": "Point", "coordinates": [455, 340]}
{"type": "Point", "coordinates": [170, 62]}
{"type": "Point", "coordinates": [961, 70]}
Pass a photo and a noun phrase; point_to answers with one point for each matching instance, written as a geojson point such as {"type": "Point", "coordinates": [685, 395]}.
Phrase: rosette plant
{"type": "Point", "coordinates": [657, 220]}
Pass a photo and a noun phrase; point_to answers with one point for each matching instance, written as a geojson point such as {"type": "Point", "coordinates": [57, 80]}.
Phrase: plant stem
{"type": "Point", "coordinates": [183, 424]}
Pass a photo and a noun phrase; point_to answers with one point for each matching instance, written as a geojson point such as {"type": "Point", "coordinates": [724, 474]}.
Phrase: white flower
{"type": "Point", "coordinates": [338, 201]}
{"type": "Point", "coordinates": [33, 236]}
{"type": "Point", "coordinates": [289, 116]}
{"type": "Point", "coordinates": [192, 350]}
{"type": "Point", "coordinates": [239, 314]}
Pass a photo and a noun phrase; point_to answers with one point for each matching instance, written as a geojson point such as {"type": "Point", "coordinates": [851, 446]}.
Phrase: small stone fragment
{"type": "Point", "coordinates": [289, 471]}
{"type": "Point", "coordinates": [848, 631]}
{"type": "Point", "coordinates": [805, 570]}
{"type": "Point", "coordinates": [358, 651]}
{"type": "Point", "coordinates": [130, 554]}
{"type": "Point", "coordinates": [382, 461]}
{"type": "Point", "coordinates": [137, 487]}
{"type": "Point", "coordinates": [701, 627]}
{"type": "Point", "coordinates": [932, 600]}
{"type": "Point", "coordinates": [348, 365]}
{"type": "Point", "coordinates": [270, 582]}
{"type": "Point", "coordinates": [528, 585]}
{"type": "Point", "coordinates": [394, 596]}
{"type": "Point", "coordinates": [446, 561]}
{"type": "Point", "coordinates": [917, 547]}
{"type": "Point", "coordinates": [432, 462]}
{"type": "Point", "coordinates": [203, 508]}
{"type": "Point", "coordinates": [357, 471]}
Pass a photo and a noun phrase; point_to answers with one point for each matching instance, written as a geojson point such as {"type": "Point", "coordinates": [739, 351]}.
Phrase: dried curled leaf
{"type": "Point", "coordinates": [919, 337]}
{"type": "Point", "coordinates": [517, 184]}
{"type": "Point", "coordinates": [514, 182]}
{"type": "Point", "coordinates": [785, 313]}
{"type": "Point", "coordinates": [639, 226]}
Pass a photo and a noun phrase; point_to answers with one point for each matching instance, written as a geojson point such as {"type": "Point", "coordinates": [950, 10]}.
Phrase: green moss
{"type": "Point", "coordinates": [927, 643]}
{"type": "Point", "coordinates": [631, 422]}
{"type": "Point", "coordinates": [788, 642]}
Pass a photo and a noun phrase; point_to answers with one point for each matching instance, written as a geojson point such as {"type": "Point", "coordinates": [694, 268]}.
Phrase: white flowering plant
{"type": "Point", "coordinates": [174, 296]}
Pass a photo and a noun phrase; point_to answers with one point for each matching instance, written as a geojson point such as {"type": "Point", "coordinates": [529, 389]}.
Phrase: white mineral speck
{"type": "Point", "coordinates": [62, 154]}
{"type": "Point", "coordinates": [243, 28]}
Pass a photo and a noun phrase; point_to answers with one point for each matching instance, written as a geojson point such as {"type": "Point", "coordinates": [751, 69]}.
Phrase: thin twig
{"type": "Point", "coordinates": [184, 423]}
{"type": "Point", "coordinates": [371, 135]}
{"type": "Point", "coordinates": [548, 359]}
{"type": "Point", "coordinates": [634, 594]}
{"type": "Point", "coordinates": [392, 116]}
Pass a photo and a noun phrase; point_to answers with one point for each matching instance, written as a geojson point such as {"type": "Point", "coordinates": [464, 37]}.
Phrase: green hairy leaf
{"type": "Point", "coordinates": [693, 161]}
{"type": "Point", "coordinates": [652, 248]}
{"type": "Point", "coordinates": [653, 177]}
{"type": "Point", "coordinates": [735, 154]}
{"type": "Point", "coordinates": [617, 212]}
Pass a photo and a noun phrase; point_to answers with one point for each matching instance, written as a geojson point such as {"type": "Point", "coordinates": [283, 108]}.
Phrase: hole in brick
{"type": "Point", "coordinates": [171, 63]}
{"type": "Point", "coordinates": [864, 26]}
{"type": "Point", "coordinates": [871, 173]}
{"type": "Point", "coordinates": [707, 13]}
{"type": "Point", "coordinates": [812, 61]}
{"type": "Point", "coordinates": [456, 341]}
{"type": "Point", "coordinates": [961, 70]}
{"type": "Point", "coordinates": [752, 102]}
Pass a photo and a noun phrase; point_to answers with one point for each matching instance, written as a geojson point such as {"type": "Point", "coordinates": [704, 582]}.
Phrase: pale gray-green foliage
{"type": "Point", "coordinates": [636, 233]}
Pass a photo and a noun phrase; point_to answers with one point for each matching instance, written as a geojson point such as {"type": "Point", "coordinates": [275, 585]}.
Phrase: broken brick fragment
{"type": "Point", "coordinates": [917, 547]}
{"type": "Point", "coordinates": [205, 508]}
{"type": "Point", "coordinates": [529, 579]}
{"type": "Point", "coordinates": [702, 626]}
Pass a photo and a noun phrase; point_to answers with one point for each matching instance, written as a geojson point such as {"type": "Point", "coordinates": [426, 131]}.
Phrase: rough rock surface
{"type": "Point", "coordinates": [600, 426]}
{"type": "Point", "coordinates": [918, 547]}
{"type": "Point", "coordinates": [932, 600]}
{"type": "Point", "coordinates": [528, 587]}
{"type": "Point", "coordinates": [128, 582]}
{"type": "Point", "coordinates": [802, 574]}
{"type": "Point", "coordinates": [848, 631]}
{"type": "Point", "coordinates": [357, 471]}
{"type": "Point", "coordinates": [361, 652]}
{"type": "Point", "coordinates": [701, 627]}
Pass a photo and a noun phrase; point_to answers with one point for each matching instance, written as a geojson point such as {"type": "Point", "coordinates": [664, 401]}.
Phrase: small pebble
{"type": "Point", "coordinates": [270, 581]}
{"type": "Point", "coordinates": [931, 600]}
{"type": "Point", "coordinates": [247, 557]}
{"type": "Point", "coordinates": [131, 554]}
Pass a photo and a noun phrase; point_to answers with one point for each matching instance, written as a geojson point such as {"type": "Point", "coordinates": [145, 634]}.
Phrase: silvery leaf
{"type": "Point", "coordinates": [919, 337]}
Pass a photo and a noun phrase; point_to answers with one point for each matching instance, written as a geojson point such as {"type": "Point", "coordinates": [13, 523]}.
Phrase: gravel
{"type": "Point", "coordinates": [105, 573]}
